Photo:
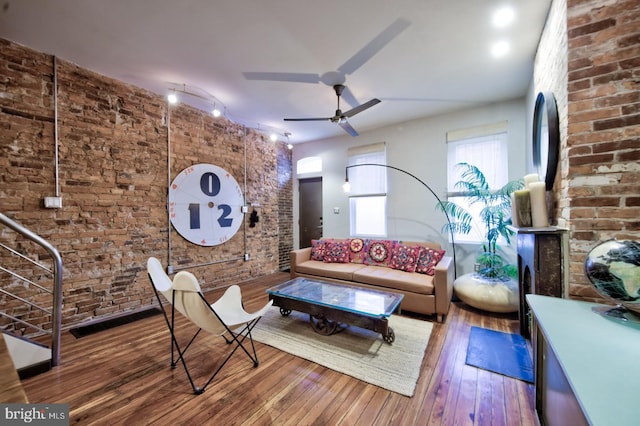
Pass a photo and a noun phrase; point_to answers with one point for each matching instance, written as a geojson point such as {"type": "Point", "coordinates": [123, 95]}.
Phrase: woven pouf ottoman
{"type": "Point", "coordinates": [488, 295]}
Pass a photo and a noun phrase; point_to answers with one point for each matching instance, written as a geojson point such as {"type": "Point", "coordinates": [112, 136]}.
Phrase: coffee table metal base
{"type": "Point", "coordinates": [326, 320]}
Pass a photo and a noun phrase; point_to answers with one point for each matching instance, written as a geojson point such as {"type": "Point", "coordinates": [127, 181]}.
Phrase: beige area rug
{"type": "Point", "coordinates": [354, 351]}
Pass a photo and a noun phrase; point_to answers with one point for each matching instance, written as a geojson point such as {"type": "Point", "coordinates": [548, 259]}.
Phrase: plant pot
{"type": "Point", "coordinates": [493, 295]}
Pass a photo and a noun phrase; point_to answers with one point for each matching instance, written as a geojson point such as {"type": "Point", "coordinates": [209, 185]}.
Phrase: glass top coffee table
{"type": "Point", "coordinates": [329, 305]}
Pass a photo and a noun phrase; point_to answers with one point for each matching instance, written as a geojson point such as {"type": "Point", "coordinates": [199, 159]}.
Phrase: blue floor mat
{"type": "Point", "coordinates": [502, 353]}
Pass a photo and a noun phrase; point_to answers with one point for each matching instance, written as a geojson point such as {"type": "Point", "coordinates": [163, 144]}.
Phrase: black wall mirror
{"type": "Point", "coordinates": [546, 138]}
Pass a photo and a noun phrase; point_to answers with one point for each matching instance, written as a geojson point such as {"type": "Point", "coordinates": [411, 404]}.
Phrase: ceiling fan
{"type": "Point", "coordinates": [338, 77]}
{"type": "Point", "coordinates": [341, 117]}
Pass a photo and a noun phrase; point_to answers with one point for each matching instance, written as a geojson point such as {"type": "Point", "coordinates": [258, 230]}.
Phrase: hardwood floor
{"type": "Point", "coordinates": [122, 376]}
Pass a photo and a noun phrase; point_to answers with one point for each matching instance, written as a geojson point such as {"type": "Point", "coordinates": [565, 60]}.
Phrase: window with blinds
{"type": "Point", "coordinates": [368, 196]}
{"type": "Point", "coordinates": [486, 148]}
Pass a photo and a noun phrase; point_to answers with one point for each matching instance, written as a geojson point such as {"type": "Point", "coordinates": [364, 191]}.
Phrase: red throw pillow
{"type": "Point", "coordinates": [317, 249]}
{"type": "Point", "coordinates": [357, 251]}
{"type": "Point", "coordinates": [404, 258]}
{"type": "Point", "coordinates": [336, 252]}
{"type": "Point", "coordinates": [378, 252]}
{"type": "Point", "coordinates": [428, 259]}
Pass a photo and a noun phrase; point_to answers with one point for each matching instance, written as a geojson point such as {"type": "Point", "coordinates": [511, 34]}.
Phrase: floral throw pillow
{"type": "Point", "coordinates": [404, 258]}
{"type": "Point", "coordinates": [336, 252]}
{"type": "Point", "coordinates": [357, 252]}
{"type": "Point", "coordinates": [378, 252]}
{"type": "Point", "coordinates": [428, 259]}
{"type": "Point", "coordinates": [317, 249]}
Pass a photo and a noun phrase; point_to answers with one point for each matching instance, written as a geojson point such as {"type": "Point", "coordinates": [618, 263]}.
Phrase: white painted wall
{"type": "Point", "coordinates": [418, 147]}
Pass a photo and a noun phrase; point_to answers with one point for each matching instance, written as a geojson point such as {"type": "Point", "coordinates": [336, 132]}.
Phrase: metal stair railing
{"type": "Point", "coordinates": [56, 292]}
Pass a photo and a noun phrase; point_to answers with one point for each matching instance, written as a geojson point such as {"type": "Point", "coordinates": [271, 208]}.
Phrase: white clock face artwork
{"type": "Point", "coordinates": [205, 204]}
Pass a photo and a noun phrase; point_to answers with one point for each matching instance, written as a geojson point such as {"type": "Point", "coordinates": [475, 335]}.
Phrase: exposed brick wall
{"type": "Point", "coordinates": [285, 211]}
{"type": "Point", "coordinates": [550, 75]}
{"type": "Point", "coordinates": [113, 180]}
{"type": "Point", "coordinates": [603, 135]}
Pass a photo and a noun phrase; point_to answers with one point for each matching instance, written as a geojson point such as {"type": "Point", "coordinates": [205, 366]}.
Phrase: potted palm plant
{"type": "Point", "coordinates": [496, 218]}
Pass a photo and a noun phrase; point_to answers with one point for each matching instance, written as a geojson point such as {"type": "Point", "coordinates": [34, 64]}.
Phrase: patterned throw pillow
{"type": "Point", "coordinates": [378, 252]}
{"type": "Point", "coordinates": [357, 251]}
{"type": "Point", "coordinates": [404, 258]}
{"type": "Point", "coordinates": [428, 259]}
{"type": "Point", "coordinates": [317, 249]}
{"type": "Point", "coordinates": [336, 252]}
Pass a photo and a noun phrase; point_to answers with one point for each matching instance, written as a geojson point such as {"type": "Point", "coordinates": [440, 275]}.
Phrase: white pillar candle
{"type": "Point", "coordinates": [523, 207]}
{"type": "Point", "coordinates": [528, 179]}
{"type": "Point", "coordinates": [514, 212]}
{"type": "Point", "coordinates": [539, 217]}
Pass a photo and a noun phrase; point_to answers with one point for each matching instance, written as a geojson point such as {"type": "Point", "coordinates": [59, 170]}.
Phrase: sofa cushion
{"type": "Point", "coordinates": [428, 259]}
{"type": "Point", "coordinates": [340, 271]}
{"type": "Point", "coordinates": [317, 249]}
{"type": "Point", "coordinates": [404, 257]}
{"type": "Point", "coordinates": [357, 252]}
{"type": "Point", "coordinates": [378, 252]}
{"type": "Point", "coordinates": [394, 279]}
{"type": "Point", "coordinates": [336, 252]}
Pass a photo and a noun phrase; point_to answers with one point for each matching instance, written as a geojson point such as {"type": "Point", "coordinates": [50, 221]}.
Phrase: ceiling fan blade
{"type": "Point", "coordinates": [347, 127]}
{"type": "Point", "coordinates": [374, 46]}
{"type": "Point", "coordinates": [348, 97]}
{"type": "Point", "coordinates": [296, 77]}
{"type": "Point", "coordinates": [309, 119]}
{"type": "Point", "coordinates": [361, 108]}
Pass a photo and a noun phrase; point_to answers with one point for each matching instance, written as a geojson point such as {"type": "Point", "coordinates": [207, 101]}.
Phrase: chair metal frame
{"type": "Point", "coordinates": [238, 337]}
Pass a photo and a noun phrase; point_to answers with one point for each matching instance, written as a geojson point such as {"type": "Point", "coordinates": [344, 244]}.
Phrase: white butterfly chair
{"type": "Point", "coordinates": [224, 317]}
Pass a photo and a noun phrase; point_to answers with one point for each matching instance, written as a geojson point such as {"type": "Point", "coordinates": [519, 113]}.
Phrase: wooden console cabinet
{"type": "Point", "coordinates": [585, 364]}
{"type": "Point", "coordinates": [542, 267]}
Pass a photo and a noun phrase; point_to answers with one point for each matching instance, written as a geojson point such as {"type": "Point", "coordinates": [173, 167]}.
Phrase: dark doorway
{"type": "Point", "coordinates": [310, 198]}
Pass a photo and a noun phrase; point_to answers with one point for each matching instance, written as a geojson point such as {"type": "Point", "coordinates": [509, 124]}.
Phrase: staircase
{"type": "Point", "coordinates": [31, 298]}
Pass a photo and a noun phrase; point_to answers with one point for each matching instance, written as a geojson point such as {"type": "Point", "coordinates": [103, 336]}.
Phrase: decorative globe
{"type": "Point", "coordinates": [613, 267]}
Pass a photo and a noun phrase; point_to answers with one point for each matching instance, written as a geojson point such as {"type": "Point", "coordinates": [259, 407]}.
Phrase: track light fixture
{"type": "Point", "coordinates": [203, 100]}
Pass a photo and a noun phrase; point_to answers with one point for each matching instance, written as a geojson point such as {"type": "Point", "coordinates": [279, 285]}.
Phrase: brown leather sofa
{"type": "Point", "coordinates": [423, 294]}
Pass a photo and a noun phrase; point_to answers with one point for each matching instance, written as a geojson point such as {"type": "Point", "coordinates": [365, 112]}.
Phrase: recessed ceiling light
{"type": "Point", "coordinates": [500, 49]}
{"type": "Point", "coordinates": [503, 16]}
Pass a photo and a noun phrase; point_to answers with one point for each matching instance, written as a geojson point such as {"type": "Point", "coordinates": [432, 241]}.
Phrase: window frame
{"type": "Point", "coordinates": [364, 193]}
{"type": "Point", "coordinates": [481, 135]}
